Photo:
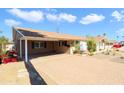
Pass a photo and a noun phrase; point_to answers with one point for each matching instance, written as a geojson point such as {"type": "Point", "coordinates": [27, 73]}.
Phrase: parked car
{"type": "Point", "coordinates": [117, 45]}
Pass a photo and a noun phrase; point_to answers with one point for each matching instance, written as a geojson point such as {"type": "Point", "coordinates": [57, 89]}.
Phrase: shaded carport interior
{"type": "Point", "coordinates": [36, 52]}
{"type": "Point", "coordinates": [49, 50]}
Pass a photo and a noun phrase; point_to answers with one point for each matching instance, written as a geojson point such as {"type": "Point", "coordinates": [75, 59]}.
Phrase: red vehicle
{"type": "Point", "coordinates": [117, 45]}
{"type": "Point", "coordinates": [9, 57]}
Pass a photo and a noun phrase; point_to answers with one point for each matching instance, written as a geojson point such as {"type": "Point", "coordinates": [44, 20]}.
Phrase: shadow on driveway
{"type": "Point", "coordinates": [35, 78]}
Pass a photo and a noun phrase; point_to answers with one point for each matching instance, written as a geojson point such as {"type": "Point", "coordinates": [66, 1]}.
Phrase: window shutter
{"type": "Point", "coordinates": [32, 44]}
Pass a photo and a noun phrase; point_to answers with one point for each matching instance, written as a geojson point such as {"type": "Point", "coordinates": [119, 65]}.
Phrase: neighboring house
{"type": "Point", "coordinates": [102, 44]}
{"type": "Point", "coordinates": [9, 46]}
{"type": "Point", "coordinates": [100, 40]}
{"type": "Point", "coordinates": [30, 42]}
{"type": "Point", "coordinates": [6, 47]}
{"type": "Point", "coordinates": [83, 46]}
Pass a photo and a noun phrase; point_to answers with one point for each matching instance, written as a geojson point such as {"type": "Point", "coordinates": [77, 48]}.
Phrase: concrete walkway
{"type": "Point", "coordinates": [20, 73]}
{"type": "Point", "coordinates": [14, 73]}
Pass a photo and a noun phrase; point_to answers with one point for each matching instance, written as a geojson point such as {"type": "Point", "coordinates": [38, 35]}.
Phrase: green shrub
{"type": "Point", "coordinates": [3, 52]}
{"type": "Point", "coordinates": [91, 45]}
{"type": "Point", "coordinates": [77, 47]}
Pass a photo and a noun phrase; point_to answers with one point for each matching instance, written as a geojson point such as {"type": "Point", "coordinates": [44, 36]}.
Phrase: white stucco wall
{"type": "Point", "coordinates": [83, 46]}
{"type": "Point", "coordinates": [100, 46]}
{"type": "Point", "coordinates": [9, 47]}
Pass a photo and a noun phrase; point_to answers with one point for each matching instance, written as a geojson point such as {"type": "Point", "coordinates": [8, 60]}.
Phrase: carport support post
{"type": "Point", "coordinates": [20, 48]}
{"type": "Point", "coordinates": [26, 51]}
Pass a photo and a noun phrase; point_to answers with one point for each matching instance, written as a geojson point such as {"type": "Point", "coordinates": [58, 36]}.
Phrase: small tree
{"type": "Point", "coordinates": [3, 42]}
{"type": "Point", "coordinates": [91, 46]}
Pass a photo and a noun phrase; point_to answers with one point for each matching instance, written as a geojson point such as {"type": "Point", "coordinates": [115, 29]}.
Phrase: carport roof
{"type": "Point", "coordinates": [33, 34]}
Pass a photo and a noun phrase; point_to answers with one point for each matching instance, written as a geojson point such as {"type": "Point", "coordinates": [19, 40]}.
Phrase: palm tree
{"type": "Point", "coordinates": [104, 41]}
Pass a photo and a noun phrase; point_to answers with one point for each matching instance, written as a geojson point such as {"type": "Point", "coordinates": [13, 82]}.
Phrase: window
{"type": "Point", "coordinates": [59, 43]}
{"type": "Point", "coordinates": [38, 44]}
{"type": "Point", "coordinates": [64, 43]}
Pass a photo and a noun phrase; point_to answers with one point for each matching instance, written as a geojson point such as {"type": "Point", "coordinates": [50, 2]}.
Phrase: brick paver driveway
{"type": "Point", "coordinates": [75, 69]}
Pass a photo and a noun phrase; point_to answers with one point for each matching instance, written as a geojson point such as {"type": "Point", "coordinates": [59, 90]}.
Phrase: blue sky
{"type": "Point", "coordinates": [75, 21]}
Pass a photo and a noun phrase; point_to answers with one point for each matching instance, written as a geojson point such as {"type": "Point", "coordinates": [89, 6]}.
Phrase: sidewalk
{"type": "Point", "coordinates": [14, 73]}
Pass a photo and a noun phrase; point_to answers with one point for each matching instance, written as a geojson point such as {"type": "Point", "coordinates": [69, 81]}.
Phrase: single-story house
{"type": "Point", "coordinates": [103, 43]}
{"type": "Point", "coordinates": [30, 42]}
{"type": "Point", "coordinates": [100, 40]}
{"type": "Point", "coordinates": [6, 47]}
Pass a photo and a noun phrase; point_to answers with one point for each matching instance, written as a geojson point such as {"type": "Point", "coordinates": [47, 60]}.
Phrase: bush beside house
{"type": "Point", "coordinates": [3, 42]}
{"type": "Point", "coordinates": [77, 47]}
{"type": "Point", "coordinates": [91, 46]}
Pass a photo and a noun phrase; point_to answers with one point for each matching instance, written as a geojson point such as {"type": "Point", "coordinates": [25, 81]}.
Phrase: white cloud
{"type": "Point", "coordinates": [11, 22]}
{"type": "Point", "coordinates": [31, 16]}
{"type": "Point", "coordinates": [51, 10]}
{"type": "Point", "coordinates": [119, 16]}
{"type": "Point", "coordinates": [61, 17]}
{"type": "Point", "coordinates": [68, 17]}
{"type": "Point", "coordinates": [92, 18]}
{"type": "Point", "coordinates": [52, 17]}
{"type": "Point", "coordinates": [120, 31]}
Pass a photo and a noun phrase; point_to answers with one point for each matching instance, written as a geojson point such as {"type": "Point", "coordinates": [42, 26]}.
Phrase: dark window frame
{"type": "Point", "coordinates": [39, 44]}
{"type": "Point", "coordinates": [59, 43]}
{"type": "Point", "coordinates": [64, 43]}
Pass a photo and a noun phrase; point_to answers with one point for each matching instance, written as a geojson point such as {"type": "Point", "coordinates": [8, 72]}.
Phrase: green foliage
{"type": "Point", "coordinates": [77, 47]}
{"type": "Point", "coordinates": [91, 45]}
{"type": "Point", "coordinates": [3, 42]}
{"type": "Point", "coordinates": [3, 52]}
